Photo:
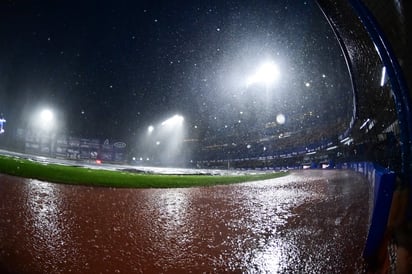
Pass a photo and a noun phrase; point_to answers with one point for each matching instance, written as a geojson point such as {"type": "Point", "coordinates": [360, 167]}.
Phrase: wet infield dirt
{"type": "Point", "coordinates": [312, 221]}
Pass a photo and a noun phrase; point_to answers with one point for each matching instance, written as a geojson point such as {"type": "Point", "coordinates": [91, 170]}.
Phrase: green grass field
{"type": "Point", "coordinates": [85, 176]}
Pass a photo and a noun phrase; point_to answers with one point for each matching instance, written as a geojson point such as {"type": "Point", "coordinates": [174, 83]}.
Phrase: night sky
{"type": "Point", "coordinates": [109, 69]}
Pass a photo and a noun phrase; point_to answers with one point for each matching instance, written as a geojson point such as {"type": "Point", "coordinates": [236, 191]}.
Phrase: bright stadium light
{"type": "Point", "coordinates": [44, 120]}
{"type": "Point", "coordinates": [173, 121]}
{"type": "Point", "coordinates": [46, 116]}
{"type": "Point", "coordinates": [164, 140]}
{"type": "Point", "coordinates": [280, 119]}
{"type": "Point", "coordinates": [266, 74]}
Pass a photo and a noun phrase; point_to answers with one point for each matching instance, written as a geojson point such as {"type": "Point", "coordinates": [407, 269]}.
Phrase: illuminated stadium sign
{"type": "Point", "coordinates": [2, 121]}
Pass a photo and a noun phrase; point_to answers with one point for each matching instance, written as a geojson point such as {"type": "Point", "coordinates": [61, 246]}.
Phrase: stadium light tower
{"type": "Point", "coordinates": [267, 74]}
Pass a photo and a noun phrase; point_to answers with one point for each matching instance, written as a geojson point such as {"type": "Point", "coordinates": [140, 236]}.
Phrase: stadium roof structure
{"type": "Point", "coordinates": [377, 103]}
{"type": "Point", "coordinates": [381, 98]}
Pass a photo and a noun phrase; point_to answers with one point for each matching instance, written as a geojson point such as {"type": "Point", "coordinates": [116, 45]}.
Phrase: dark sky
{"type": "Point", "coordinates": [108, 69]}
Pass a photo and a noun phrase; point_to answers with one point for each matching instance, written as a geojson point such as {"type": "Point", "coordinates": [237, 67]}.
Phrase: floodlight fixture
{"type": "Point", "coordinates": [173, 121]}
{"type": "Point", "coordinates": [266, 74]}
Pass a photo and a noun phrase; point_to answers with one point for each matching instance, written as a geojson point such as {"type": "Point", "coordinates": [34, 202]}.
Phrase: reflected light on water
{"type": "Point", "coordinates": [173, 209]}
{"type": "Point", "coordinates": [44, 211]}
{"type": "Point", "coordinates": [270, 258]}
{"type": "Point", "coordinates": [299, 223]}
{"type": "Point", "coordinates": [170, 228]}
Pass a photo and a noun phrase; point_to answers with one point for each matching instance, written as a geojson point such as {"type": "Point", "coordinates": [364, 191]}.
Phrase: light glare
{"type": "Point", "coordinates": [46, 115]}
{"type": "Point", "coordinates": [267, 74]}
{"type": "Point", "coordinates": [175, 120]}
{"type": "Point", "coordinates": [280, 119]}
{"type": "Point", "coordinates": [383, 77]}
{"type": "Point", "coordinates": [44, 120]}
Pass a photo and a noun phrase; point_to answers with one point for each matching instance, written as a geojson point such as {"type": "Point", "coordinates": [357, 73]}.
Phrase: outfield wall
{"type": "Point", "coordinates": [382, 186]}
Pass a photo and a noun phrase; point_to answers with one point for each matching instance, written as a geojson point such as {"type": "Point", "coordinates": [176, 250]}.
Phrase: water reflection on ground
{"type": "Point", "coordinates": [309, 221]}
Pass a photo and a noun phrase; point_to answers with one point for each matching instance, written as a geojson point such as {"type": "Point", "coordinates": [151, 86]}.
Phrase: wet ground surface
{"type": "Point", "coordinates": [308, 222]}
